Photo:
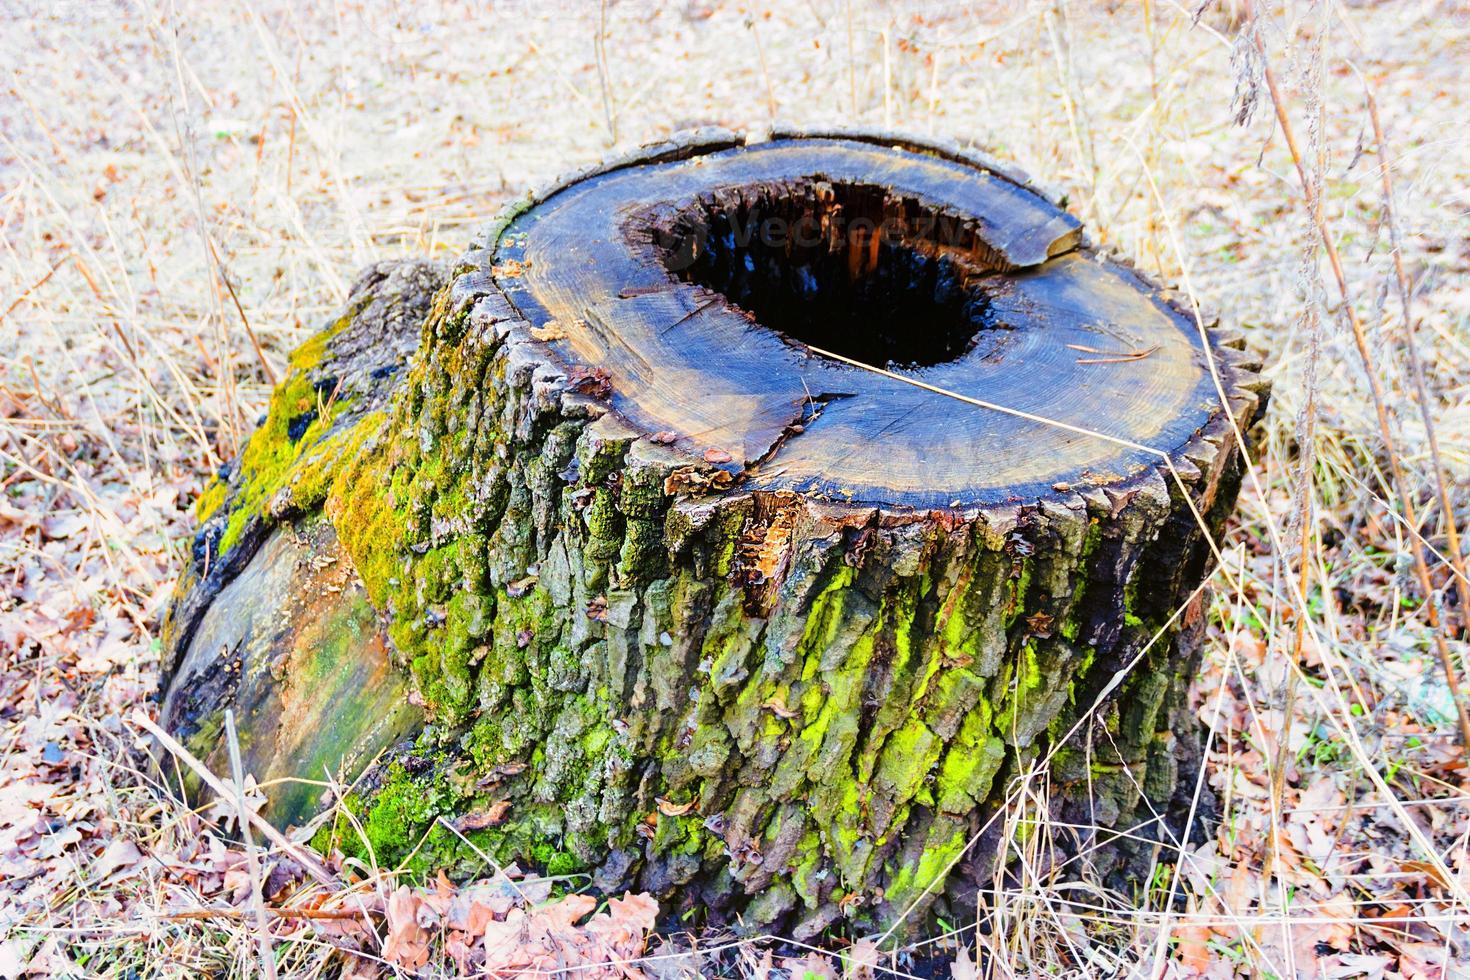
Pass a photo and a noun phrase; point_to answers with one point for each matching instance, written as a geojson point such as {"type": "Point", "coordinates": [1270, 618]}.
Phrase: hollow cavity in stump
{"type": "Point", "coordinates": [843, 267]}
{"type": "Point", "coordinates": [692, 606]}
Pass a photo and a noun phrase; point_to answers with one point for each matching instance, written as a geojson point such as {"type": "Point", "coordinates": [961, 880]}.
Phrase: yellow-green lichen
{"type": "Point", "coordinates": [211, 500]}
{"type": "Point", "coordinates": [301, 413]}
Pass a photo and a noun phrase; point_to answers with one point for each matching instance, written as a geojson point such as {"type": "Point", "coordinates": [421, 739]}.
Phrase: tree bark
{"type": "Point", "coordinates": [694, 606]}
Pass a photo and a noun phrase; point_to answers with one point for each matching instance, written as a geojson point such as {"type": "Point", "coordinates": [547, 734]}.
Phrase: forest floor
{"type": "Point", "coordinates": [187, 190]}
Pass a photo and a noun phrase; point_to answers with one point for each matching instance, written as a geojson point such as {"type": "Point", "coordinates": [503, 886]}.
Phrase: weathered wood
{"type": "Point", "coordinates": [270, 617]}
{"type": "Point", "coordinates": [723, 617]}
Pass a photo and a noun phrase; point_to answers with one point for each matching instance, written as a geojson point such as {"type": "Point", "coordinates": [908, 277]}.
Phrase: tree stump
{"type": "Point", "coordinates": [726, 537]}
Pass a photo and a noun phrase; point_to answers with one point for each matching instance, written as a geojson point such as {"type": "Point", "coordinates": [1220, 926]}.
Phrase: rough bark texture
{"type": "Point", "coordinates": [693, 671]}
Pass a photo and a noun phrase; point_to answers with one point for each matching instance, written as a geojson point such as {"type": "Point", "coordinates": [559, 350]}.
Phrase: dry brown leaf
{"type": "Point", "coordinates": [549, 331]}
{"type": "Point", "coordinates": [406, 943]}
{"type": "Point", "coordinates": [561, 915]}
{"type": "Point", "coordinates": [1193, 949]}
{"type": "Point", "coordinates": [1425, 961]}
{"type": "Point", "coordinates": [460, 952]}
{"type": "Point", "coordinates": [861, 960]}
{"type": "Point", "coordinates": [638, 911]}
{"type": "Point", "coordinates": [121, 855]}
{"type": "Point", "coordinates": [62, 526]}
{"type": "Point", "coordinates": [12, 962]}
{"type": "Point", "coordinates": [964, 967]}
{"type": "Point", "coordinates": [1427, 870]}
{"type": "Point", "coordinates": [812, 966]}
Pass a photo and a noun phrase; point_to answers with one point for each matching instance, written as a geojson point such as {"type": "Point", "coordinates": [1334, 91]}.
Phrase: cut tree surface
{"type": "Point", "coordinates": [748, 518]}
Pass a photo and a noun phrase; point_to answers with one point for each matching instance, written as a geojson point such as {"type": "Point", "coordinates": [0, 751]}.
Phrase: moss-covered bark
{"type": "Point", "coordinates": [760, 703]}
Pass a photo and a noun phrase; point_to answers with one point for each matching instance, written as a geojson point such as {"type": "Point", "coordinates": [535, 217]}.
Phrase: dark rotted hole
{"type": "Point", "coordinates": [848, 268]}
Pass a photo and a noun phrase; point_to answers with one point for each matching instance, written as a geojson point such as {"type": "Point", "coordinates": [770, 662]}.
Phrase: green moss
{"type": "Point", "coordinates": [363, 503]}
{"type": "Point", "coordinates": [556, 862]}
{"type": "Point", "coordinates": [1142, 705]}
{"type": "Point", "coordinates": [1031, 678]}
{"type": "Point", "coordinates": [1084, 667]}
{"type": "Point", "coordinates": [907, 756]}
{"type": "Point", "coordinates": [1130, 604]}
{"type": "Point", "coordinates": [967, 627]}
{"type": "Point", "coordinates": [850, 849]}
{"type": "Point", "coordinates": [1017, 588]}
{"type": "Point", "coordinates": [403, 823]}
{"type": "Point", "coordinates": [394, 819]}
{"type": "Point", "coordinates": [957, 636]}
{"type": "Point", "coordinates": [402, 810]}
{"type": "Point", "coordinates": [641, 557]}
{"type": "Point", "coordinates": [301, 414]}
{"type": "Point", "coordinates": [910, 880]}
{"type": "Point", "coordinates": [805, 875]}
{"type": "Point", "coordinates": [970, 763]}
{"type": "Point", "coordinates": [824, 619]}
{"type": "Point", "coordinates": [211, 500]}
{"type": "Point", "coordinates": [604, 520]}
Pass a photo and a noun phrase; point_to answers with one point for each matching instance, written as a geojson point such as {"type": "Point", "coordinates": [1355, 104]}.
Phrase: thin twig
{"type": "Point", "coordinates": [1341, 726]}
{"type": "Point", "coordinates": [219, 268]}
{"type": "Point", "coordinates": [252, 864]}
{"type": "Point", "coordinates": [760, 52]}
{"type": "Point", "coordinates": [599, 48]}
{"type": "Point", "coordinates": [1109, 357]}
{"type": "Point", "coordinates": [306, 860]}
{"type": "Point", "coordinates": [1306, 464]}
{"type": "Point", "coordinates": [278, 913]}
{"type": "Point", "coordinates": [35, 286]}
{"type": "Point", "coordinates": [851, 65]}
{"type": "Point", "coordinates": [1411, 347]}
{"type": "Point", "coordinates": [1375, 387]}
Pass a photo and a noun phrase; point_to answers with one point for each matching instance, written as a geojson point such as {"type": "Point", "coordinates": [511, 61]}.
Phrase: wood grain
{"type": "Point", "coordinates": [681, 359]}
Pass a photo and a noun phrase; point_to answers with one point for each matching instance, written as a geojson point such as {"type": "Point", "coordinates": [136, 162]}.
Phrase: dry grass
{"type": "Point", "coordinates": [185, 191]}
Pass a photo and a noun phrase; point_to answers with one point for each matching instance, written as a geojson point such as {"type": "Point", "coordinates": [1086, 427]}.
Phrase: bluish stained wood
{"type": "Point", "coordinates": [682, 358]}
